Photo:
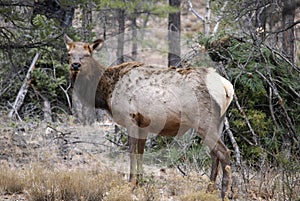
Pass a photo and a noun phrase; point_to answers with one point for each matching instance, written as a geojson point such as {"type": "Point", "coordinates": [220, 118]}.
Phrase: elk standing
{"type": "Point", "coordinates": [166, 101]}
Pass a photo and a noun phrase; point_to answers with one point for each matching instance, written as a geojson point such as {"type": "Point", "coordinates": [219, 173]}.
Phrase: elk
{"type": "Point", "coordinates": [165, 101]}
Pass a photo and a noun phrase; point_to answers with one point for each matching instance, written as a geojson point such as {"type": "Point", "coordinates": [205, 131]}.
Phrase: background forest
{"type": "Point", "coordinates": [252, 43]}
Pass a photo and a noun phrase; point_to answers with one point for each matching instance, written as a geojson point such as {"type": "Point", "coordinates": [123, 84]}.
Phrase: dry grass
{"type": "Point", "coordinates": [200, 196]}
{"type": "Point", "coordinates": [40, 183]}
{"type": "Point", "coordinates": [11, 181]}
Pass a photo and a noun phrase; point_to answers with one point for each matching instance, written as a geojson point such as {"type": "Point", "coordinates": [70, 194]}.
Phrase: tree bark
{"type": "Point", "coordinates": [174, 35]}
{"type": "Point", "coordinates": [288, 36]}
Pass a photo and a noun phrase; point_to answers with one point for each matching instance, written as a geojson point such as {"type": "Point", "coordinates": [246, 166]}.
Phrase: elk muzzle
{"type": "Point", "coordinates": [75, 66]}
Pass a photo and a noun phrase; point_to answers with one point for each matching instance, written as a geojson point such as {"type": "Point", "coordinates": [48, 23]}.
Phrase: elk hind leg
{"type": "Point", "coordinates": [214, 172]}
{"type": "Point", "coordinates": [133, 161]}
{"type": "Point", "coordinates": [223, 155]}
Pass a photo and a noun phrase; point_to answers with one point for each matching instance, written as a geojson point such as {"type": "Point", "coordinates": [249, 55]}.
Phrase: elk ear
{"type": "Point", "coordinates": [97, 44]}
{"type": "Point", "coordinates": [67, 41]}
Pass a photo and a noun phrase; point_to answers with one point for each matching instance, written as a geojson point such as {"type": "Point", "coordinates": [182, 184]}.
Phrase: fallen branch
{"type": "Point", "coordinates": [23, 90]}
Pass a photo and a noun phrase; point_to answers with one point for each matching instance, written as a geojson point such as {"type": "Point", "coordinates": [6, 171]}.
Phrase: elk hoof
{"type": "Point", "coordinates": [229, 193]}
{"type": "Point", "coordinates": [211, 187]}
{"type": "Point", "coordinates": [228, 169]}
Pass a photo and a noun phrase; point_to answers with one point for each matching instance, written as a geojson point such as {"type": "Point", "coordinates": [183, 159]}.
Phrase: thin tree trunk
{"type": "Point", "coordinates": [134, 37]}
{"type": "Point", "coordinates": [174, 35]}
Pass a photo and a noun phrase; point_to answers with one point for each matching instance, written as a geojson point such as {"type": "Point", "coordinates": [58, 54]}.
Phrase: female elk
{"type": "Point", "coordinates": [166, 101]}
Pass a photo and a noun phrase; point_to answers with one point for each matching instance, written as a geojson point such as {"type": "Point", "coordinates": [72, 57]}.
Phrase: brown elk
{"type": "Point", "coordinates": [166, 101]}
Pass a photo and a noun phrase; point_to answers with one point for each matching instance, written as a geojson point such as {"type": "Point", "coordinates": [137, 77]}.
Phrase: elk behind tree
{"type": "Point", "coordinates": [166, 101]}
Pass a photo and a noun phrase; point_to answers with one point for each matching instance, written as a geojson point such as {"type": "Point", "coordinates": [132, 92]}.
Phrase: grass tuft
{"type": "Point", "coordinates": [11, 181]}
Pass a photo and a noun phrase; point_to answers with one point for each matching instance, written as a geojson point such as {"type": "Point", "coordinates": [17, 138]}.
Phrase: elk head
{"type": "Point", "coordinates": [78, 53]}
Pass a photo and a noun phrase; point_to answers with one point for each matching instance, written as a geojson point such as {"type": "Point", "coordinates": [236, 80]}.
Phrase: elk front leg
{"type": "Point", "coordinates": [141, 147]}
{"type": "Point", "coordinates": [136, 149]}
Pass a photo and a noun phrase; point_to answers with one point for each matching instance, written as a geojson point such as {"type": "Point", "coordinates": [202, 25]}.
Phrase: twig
{"type": "Point", "coordinates": [180, 170]}
{"type": "Point", "coordinates": [23, 90]}
{"type": "Point", "coordinates": [115, 143]}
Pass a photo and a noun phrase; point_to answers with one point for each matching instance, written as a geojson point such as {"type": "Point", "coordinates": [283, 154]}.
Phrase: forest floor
{"type": "Point", "coordinates": [69, 161]}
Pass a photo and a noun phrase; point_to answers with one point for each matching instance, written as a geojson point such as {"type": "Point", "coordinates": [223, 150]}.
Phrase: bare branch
{"type": "Point", "coordinates": [219, 18]}
{"type": "Point", "coordinates": [195, 12]}
{"type": "Point", "coordinates": [207, 19]}
{"type": "Point", "coordinates": [67, 95]}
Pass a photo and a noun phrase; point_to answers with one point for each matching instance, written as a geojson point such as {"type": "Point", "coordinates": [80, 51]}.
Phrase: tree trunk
{"type": "Point", "coordinates": [288, 36]}
{"type": "Point", "coordinates": [87, 21]}
{"type": "Point", "coordinates": [121, 22]}
{"type": "Point", "coordinates": [174, 35]}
